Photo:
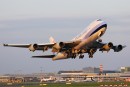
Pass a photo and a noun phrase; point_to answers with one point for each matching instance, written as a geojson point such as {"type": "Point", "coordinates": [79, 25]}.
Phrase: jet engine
{"type": "Point", "coordinates": [118, 48]}
{"type": "Point", "coordinates": [33, 47]}
{"type": "Point", "coordinates": [107, 47]}
{"type": "Point", "coordinates": [58, 46]}
{"type": "Point", "coordinates": [61, 44]}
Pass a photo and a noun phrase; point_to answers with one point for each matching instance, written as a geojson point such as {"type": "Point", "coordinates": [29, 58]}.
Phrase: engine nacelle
{"type": "Point", "coordinates": [58, 46]}
{"type": "Point", "coordinates": [118, 48]}
{"type": "Point", "coordinates": [61, 44]}
{"type": "Point", "coordinates": [107, 47]}
{"type": "Point", "coordinates": [110, 44]}
{"type": "Point", "coordinates": [33, 47]}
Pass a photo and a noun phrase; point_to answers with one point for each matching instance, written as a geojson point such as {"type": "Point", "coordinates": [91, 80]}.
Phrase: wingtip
{"type": "Point", "coordinates": [33, 57]}
{"type": "Point", "coordinates": [124, 46]}
{"type": "Point", "coordinates": [5, 44]}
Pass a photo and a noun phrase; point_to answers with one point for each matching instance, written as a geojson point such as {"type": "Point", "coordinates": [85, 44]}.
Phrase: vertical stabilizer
{"type": "Point", "coordinates": [51, 39]}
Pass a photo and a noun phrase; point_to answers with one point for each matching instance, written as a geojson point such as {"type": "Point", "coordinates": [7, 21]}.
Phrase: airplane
{"type": "Point", "coordinates": [88, 41]}
{"type": "Point", "coordinates": [50, 79]}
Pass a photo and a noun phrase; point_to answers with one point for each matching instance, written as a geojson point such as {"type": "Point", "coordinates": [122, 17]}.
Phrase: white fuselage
{"type": "Point", "coordinates": [91, 29]}
{"type": "Point", "coordinates": [93, 32]}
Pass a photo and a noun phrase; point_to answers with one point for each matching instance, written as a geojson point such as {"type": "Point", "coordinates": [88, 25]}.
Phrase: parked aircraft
{"type": "Point", "coordinates": [88, 41]}
{"type": "Point", "coordinates": [50, 79]}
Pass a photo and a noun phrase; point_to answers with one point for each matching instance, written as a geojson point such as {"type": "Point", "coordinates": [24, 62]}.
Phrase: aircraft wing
{"type": "Point", "coordinates": [45, 46]}
{"type": "Point", "coordinates": [103, 47]}
{"type": "Point", "coordinates": [72, 43]}
{"type": "Point", "coordinates": [32, 47]}
{"type": "Point", "coordinates": [17, 45]}
{"type": "Point", "coordinates": [107, 46]}
{"type": "Point", "coordinates": [43, 56]}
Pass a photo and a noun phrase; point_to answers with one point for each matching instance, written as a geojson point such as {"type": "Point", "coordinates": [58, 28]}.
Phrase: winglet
{"type": "Point", "coordinates": [51, 39]}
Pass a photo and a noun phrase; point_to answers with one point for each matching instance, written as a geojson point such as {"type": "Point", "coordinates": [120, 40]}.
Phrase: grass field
{"type": "Point", "coordinates": [85, 84]}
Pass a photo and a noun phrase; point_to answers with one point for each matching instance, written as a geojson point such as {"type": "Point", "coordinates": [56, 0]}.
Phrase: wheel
{"type": "Point", "coordinates": [83, 56]}
{"type": "Point", "coordinates": [79, 56]}
{"type": "Point", "coordinates": [74, 56]}
{"type": "Point", "coordinates": [90, 56]}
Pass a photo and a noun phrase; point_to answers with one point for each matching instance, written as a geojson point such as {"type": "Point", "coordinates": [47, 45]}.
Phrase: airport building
{"type": "Point", "coordinates": [91, 70]}
{"type": "Point", "coordinates": [125, 69]}
{"type": "Point", "coordinates": [90, 74]}
{"type": "Point", "coordinates": [84, 75]}
{"type": "Point", "coordinates": [12, 79]}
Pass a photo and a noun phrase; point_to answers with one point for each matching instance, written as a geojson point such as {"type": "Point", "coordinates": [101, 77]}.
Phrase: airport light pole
{"type": "Point", "coordinates": [41, 72]}
{"type": "Point", "coordinates": [100, 72]}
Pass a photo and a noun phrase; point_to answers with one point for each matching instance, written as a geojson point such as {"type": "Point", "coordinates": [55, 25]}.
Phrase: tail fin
{"type": "Point", "coordinates": [51, 39]}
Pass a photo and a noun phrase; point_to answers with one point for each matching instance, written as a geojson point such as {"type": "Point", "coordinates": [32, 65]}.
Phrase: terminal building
{"type": "Point", "coordinates": [90, 74]}
{"type": "Point", "coordinates": [125, 69]}
{"type": "Point", "coordinates": [84, 75]}
{"type": "Point", "coordinates": [91, 70]}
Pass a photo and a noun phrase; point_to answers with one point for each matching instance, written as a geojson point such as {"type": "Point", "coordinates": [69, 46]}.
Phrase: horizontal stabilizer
{"type": "Point", "coordinates": [43, 56]}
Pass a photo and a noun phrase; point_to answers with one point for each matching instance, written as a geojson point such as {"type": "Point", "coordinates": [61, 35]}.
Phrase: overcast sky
{"type": "Point", "coordinates": [34, 21]}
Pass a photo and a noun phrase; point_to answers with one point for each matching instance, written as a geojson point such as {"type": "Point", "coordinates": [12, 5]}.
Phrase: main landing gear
{"type": "Point", "coordinates": [74, 53]}
{"type": "Point", "coordinates": [73, 56]}
{"type": "Point", "coordinates": [81, 56]}
{"type": "Point", "coordinates": [90, 56]}
{"type": "Point", "coordinates": [91, 52]}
